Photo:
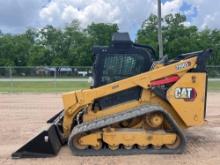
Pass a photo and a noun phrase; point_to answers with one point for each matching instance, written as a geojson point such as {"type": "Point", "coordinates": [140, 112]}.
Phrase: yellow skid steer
{"type": "Point", "coordinates": [136, 105]}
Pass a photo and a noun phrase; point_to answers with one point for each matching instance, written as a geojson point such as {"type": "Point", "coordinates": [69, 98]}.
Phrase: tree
{"type": "Point", "coordinates": [6, 51]}
{"type": "Point", "coordinates": [148, 32]}
{"type": "Point", "coordinates": [39, 56]}
{"type": "Point", "coordinates": [32, 35]}
{"type": "Point", "coordinates": [14, 50]}
{"type": "Point", "coordinates": [75, 42]}
{"type": "Point", "coordinates": [72, 45]}
{"type": "Point", "coordinates": [52, 39]}
{"type": "Point", "coordinates": [101, 33]}
{"type": "Point", "coordinates": [212, 40]}
{"type": "Point", "coordinates": [177, 38]}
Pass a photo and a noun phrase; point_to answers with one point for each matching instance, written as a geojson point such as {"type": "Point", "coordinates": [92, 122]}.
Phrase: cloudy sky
{"type": "Point", "coordinates": [17, 15]}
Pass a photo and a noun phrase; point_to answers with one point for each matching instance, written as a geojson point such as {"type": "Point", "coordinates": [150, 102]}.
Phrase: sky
{"type": "Point", "coordinates": [18, 15]}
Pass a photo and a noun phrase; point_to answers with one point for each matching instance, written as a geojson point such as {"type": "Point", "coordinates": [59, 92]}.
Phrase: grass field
{"type": "Point", "coordinates": [214, 85]}
{"type": "Point", "coordinates": [42, 87]}
{"type": "Point", "coordinates": [60, 86]}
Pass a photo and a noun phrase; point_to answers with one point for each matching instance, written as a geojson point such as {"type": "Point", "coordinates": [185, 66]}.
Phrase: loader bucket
{"type": "Point", "coordinates": [45, 144]}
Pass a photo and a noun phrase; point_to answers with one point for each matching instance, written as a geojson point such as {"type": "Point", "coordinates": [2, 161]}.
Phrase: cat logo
{"type": "Point", "coordinates": [185, 93]}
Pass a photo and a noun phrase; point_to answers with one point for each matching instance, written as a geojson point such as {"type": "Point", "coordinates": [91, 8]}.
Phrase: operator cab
{"type": "Point", "coordinates": [120, 60]}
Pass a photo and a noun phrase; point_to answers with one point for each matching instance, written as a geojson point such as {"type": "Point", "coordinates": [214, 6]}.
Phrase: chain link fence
{"type": "Point", "coordinates": [44, 79]}
{"type": "Point", "coordinates": [56, 79]}
{"type": "Point", "coordinates": [61, 72]}
{"type": "Point", "coordinates": [214, 71]}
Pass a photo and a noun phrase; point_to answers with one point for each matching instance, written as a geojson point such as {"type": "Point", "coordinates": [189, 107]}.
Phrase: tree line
{"type": "Point", "coordinates": [72, 45]}
{"type": "Point", "coordinates": [180, 38]}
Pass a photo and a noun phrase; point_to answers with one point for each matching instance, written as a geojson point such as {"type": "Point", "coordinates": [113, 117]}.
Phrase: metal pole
{"type": "Point", "coordinates": [55, 79]}
{"type": "Point", "coordinates": [11, 78]}
{"type": "Point", "coordinates": [160, 38]}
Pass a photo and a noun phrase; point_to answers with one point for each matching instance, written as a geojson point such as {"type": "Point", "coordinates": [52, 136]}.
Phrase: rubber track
{"type": "Point", "coordinates": [119, 117]}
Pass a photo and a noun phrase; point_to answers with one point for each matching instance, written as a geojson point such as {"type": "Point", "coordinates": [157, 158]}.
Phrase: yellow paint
{"type": "Point", "coordinates": [130, 137]}
{"type": "Point", "coordinates": [191, 112]}
{"type": "Point", "coordinates": [77, 100]}
{"type": "Point", "coordinates": [90, 140]}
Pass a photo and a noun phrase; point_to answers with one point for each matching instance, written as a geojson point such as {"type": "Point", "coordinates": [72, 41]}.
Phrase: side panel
{"type": "Point", "coordinates": [187, 96]}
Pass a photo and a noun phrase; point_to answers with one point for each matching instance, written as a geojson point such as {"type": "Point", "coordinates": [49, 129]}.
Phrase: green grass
{"type": "Point", "coordinates": [42, 87]}
{"type": "Point", "coordinates": [61, 86]}
{"type": "Point", "coordinates": [214, 86]}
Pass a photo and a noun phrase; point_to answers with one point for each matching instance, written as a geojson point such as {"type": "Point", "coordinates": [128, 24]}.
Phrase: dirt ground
{"type": "Point", "coordinates": [24, 115]}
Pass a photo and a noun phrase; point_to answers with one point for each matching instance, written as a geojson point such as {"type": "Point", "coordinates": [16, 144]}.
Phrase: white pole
{"type": "Point", "coordinates": [160, 38]}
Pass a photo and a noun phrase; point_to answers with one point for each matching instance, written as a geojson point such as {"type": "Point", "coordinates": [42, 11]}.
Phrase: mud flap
{"type": "Point", "coordinates": [45, 144]}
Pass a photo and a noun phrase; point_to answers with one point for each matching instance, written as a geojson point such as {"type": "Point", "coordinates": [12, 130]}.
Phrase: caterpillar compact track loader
{"type": "Point", "coordinates": [135, 106]}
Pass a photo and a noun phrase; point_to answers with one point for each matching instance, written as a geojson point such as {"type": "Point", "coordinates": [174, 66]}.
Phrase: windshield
{"type": "Point", "coordinates": [120, 66]}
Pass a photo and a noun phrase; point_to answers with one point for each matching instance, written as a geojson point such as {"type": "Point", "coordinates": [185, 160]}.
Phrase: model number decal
{"type": "Point", "coordinates": [184, 93]}
{"type": "Point", "coordinates": [183, 65]}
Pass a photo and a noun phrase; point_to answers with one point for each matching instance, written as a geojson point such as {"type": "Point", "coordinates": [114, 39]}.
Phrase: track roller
{"type": "Point", "coordinates": [113, 147]}
{"type": "Point", "coordinates": [142, 147]}
{"type": "Point", "coordinates": [128, 147]}
{"type": "Point", "coordinates": [175, 144]}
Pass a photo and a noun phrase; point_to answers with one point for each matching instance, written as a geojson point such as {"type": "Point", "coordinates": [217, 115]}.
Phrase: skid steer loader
{"type": "Point", "coordinates": [136, 105]}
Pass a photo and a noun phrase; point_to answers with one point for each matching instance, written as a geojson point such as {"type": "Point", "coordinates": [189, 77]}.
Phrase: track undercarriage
{"type": "Point", "coordinates": [146, 129]}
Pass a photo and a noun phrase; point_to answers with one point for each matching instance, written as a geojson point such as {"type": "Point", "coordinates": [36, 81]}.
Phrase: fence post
{"type": "Point", "coordinates": [55, 78]}
{"type": "Point", "coordinates": [11, 78]}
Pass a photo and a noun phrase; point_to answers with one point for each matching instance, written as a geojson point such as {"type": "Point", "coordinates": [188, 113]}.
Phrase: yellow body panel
{"type": "Point", "coordinates": [76, 101]}
{"type": "Point", "coordinates": [191, 112]}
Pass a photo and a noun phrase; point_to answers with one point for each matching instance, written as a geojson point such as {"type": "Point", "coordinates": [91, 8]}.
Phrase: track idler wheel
{"type": "Point", "coordinates": [76, 142]}
{"type": "Point", "coordinates": [98, 146]}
